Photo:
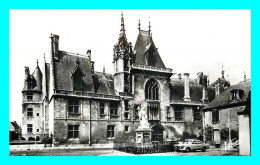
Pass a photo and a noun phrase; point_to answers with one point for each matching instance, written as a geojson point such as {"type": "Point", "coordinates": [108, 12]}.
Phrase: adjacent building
{"type": "Point", "coordinates": [221, 116]}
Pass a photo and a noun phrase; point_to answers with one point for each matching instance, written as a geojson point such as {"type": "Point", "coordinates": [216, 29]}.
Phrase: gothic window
{"type": "Point", "coordinates": [113, 110]}
{"type": "Point", "coordinates": [29, 128]}
{"type": "Point", "coordinates": [215, 116]}
{"type": "Point", "coordinates": [153, 111]}
{"type": "Point", "coordinates": [152, 90]}
{"type": "Point", "coordinates": [73, 106]}
{"type": "Point", "coordinates": [110, 131]}
{"type": "Point", "coordinates": [73, 131]}
{"type": "Point", "coordinates": [29, 112]}
{"type": "Point", "coordinates": [179, 113]}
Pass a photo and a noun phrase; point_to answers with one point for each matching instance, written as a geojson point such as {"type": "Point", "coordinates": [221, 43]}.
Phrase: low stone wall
{"type": "Point", "coordinates": [26, 146]}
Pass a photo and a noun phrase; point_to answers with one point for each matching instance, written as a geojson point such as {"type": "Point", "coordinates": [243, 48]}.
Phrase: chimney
{"type": "Point", "coordinates": [89, 54]}
{"type": "Point", "coordinates": [186, 87]}
{"type": "Point", "coordinates": [217, 88]}
{"type": "Point", "coordinates": [55, 46]}
{"type": "Point", "coordinates": [27, 72]}
{"type": "Point", "coordinates": [205, 89]}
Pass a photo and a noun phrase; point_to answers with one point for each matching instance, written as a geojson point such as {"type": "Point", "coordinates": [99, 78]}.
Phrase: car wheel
{"type": "Point", "coordinates": [187, 149]}
{"type": "Point", "coordinates": [204, 149]}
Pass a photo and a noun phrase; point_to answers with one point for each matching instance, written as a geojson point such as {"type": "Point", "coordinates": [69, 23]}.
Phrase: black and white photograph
{"type": "Point", "coordinates": [130, 82]}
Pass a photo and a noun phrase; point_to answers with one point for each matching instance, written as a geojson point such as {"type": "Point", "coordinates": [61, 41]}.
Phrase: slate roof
{"type": "Point", "coordinates": [177, 90]}
{"type": "Point", "coordinates": [36, 78]}
{"type": "Point", "coordinates": [14, 126]}
{"type": "Point", "coordinates": [104, 83]}
{"type": "Point", "coordinates": [37, 74]}
{"type": "Point", "coordinates": [64, 67]}
{"type": "Point", "coordinates": [144, 42]}
{"type": "Point", "coordinates": [223, 100]}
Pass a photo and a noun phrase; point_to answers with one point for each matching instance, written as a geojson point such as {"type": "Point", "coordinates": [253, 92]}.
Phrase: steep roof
{"type": "Point", "coordinates": [223, 99]}
{"type": "Point", "coordinates": [35, 79]}
{"type": "Point", "coordinates": [37, 74]}
{"type": "Point", "coordinates": [177, 91]}
{"type": "Point", "coordinates": [104, 83]}
{"type": "Point", "coordinates": [143, 43]}
{"type": "Point", "coordinates": [64, 68]}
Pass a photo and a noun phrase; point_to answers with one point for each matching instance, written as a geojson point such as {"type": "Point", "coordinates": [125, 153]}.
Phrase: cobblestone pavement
{"type": "Point", "coordinates": [110, 152]}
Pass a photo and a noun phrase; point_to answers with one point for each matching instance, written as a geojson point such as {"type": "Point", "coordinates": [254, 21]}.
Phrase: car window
{"type": "Point", "coordinates": [199, 142]}
{"type": "Point", "coordinates": [194, 142]}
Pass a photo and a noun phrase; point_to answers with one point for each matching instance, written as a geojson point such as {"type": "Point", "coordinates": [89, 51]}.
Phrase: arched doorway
{"type": "Point", "coordinates": [157, 133]}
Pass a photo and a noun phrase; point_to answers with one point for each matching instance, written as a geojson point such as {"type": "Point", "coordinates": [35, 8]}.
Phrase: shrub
{"type": "Point", "coordinates": [31, 138]}
{"type": "Point", "coordinates": [83, 141]}
{"type": "Point", "coordinates": [224, 134]}
{"type": "Point", "coordinates": [46, 139]}
{"type": "Point", "coordinates": [61, 140]}
{"type": "Point", "coordinates": [208, 133]}
{"type": "Point", "coordinates": [234, 134]}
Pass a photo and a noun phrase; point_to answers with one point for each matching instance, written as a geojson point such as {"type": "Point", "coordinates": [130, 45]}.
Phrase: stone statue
{"type": "Point", "coordinates": [143, 118]}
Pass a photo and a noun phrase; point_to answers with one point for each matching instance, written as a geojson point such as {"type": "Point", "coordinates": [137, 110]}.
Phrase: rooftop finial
{"type": "Point", "coordinates": [149, 27]}
{"type": "Point", "coordinates": [37, 62]}
{"type": "Point", "coordinates": [104, 69]}
{"type": "Point", "coordinates": [223, 72]}
{"type": "Point", "coordinates": [139, 25]}
{"type": "Point", "coordinates": [244, 75]}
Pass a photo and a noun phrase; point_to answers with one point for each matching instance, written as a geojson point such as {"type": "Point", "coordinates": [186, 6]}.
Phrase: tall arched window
{"type": "Point", "coordinates": [152, 90]}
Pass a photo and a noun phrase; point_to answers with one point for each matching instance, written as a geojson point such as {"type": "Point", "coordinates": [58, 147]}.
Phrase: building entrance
{"type": "Point", "coordinates": [157, 133]}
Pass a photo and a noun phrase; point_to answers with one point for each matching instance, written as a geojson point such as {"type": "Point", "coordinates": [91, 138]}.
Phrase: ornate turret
{"type": "Point", "coordinates": [122, 61]}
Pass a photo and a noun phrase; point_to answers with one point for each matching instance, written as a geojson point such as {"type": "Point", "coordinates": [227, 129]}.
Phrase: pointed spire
{"type": "Point", "coordinates": [122, 36]}
{"type": "Point", "coordinates": [149, 27]}
{"type": "Point", "coordinates": [122, 31]}
{"type": "Point", "coordinates": [223, 72]}
{"type": "Point", "coordinates": [37, 63]}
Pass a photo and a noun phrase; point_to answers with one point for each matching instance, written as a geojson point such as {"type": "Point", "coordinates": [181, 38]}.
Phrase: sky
{"type": "Point", "coordinates": [188, 41]}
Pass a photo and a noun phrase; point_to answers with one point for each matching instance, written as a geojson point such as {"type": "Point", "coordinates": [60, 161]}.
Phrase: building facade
{"type": "Point", "coordinates": [78, 104]}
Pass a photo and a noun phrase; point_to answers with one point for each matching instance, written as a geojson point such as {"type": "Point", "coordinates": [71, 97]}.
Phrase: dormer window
{"type": "Point", "coordinates": [77, 77]}
{"type": "Point", "coordinates": [236, 94]}
{"type": "Point", "coordinates": [30, 83]}
{"type": "Point", "coordinates": [150, 55]}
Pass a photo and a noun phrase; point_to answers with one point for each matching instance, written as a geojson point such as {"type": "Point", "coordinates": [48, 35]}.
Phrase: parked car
{"type": "Point", "coordinates": [192, 145]}
{"type": "Point", "coordinates": [170, 146]}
